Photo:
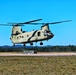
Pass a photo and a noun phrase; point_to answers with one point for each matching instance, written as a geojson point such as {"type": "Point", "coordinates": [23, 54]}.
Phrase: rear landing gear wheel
{"type": "Point", "coordinates": [23, 44]}
{"type": "Point", "coordinates": [31, 43]}
{"type": "Point", "coordinates": [41, 43]}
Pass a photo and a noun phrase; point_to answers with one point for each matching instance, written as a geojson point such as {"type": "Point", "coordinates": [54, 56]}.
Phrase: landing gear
{"type": "Point", "coordinates": [41, 43]}
{"type": "Point", "coordinates": [31, 43]}
{"type": "Point", "coordinates": [14, 45]}
{"type": "Point", "coordinates": [35, 51]}
{"type": "Point", "coordinates": [24, 45]}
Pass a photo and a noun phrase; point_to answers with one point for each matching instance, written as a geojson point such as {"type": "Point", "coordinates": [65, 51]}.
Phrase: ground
{"type": "Point", "coordinates": [38, 65]}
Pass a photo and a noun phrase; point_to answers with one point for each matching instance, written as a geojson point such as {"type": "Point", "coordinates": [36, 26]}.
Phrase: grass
{"type": "Point", "coordinates": [65, 65]}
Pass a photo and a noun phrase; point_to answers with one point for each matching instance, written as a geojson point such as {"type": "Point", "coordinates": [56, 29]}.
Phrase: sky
{"type": "Point", "coordinates": [48, 10]}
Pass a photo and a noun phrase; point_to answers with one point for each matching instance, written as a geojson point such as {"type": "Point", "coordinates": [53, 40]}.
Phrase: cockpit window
{"type": "Point", "coordinates": [17, 33]}
{"type": "Point", "coordinates": [21, 29]}
{"type": "Point", "coordinates": [47, 31]}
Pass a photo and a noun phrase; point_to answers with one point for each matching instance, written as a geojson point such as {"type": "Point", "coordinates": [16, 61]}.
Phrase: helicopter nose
{"type": "Point", "coordinates": [52, 35]}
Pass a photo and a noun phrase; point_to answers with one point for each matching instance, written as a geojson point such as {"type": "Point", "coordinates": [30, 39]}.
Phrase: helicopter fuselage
{"type": "Point", "coordinates": [21, 37]}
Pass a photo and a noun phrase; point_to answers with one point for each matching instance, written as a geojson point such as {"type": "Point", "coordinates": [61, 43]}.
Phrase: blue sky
{"type": "Point", "coordinates": [48, 10]}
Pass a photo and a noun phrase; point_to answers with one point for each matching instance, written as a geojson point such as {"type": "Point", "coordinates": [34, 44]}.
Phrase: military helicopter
{"type": "Point", "coordinates": [22, 37]}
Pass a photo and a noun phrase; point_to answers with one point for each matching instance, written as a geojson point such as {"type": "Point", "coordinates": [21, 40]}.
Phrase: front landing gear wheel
{"type": "Point", "coordinates": [35, 51]}
{"type": "Point", "coordinates": [14, 45]}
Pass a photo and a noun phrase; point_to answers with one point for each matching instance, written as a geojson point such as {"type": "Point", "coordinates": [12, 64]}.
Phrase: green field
{"type": "Point", "coordinates": [65, 65]}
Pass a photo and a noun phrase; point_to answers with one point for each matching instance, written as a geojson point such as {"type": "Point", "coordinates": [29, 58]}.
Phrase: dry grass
{"type": "Point", "coordinates": [65, 65]}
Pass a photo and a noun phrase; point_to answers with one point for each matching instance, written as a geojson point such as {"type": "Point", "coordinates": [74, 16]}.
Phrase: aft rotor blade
{"type": "Point", "coordinates": [30, 21]}
{"type": "Point", "coordinates": [5, 25]}
{"type": "Point", "coordinates": [11, 25]}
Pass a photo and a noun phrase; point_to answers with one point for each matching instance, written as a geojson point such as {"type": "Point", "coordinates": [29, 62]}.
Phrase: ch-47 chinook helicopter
{"type": "Point", "coordinates": [22, 37]}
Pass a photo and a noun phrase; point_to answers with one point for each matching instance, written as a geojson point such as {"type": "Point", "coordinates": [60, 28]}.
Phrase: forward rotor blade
{"type": "Point", "coordinates": [51, 22]}
{"type": "Point", "coordinates": [60, 22]}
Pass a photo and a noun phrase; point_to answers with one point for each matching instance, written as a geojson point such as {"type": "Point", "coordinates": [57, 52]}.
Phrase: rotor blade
{"type": "Point", "coordinates": [19, 24]}
{"type": "Point", "coordinates": [5, 25]}
{"type": "Point", "coordinates": [11, 25]}
{"type": "Point", "coordinates": [30, 21]}
{"type": "Point", "coordinates": [60, 22]}
{"type": "Point", "coordinates": [51, 22]}
{"type": "Point", "coordinates": [14, 23]}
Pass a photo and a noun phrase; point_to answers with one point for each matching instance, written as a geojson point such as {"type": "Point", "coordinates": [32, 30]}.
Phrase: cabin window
{"type": "Point", "coordinates": [17, 37]}
{"type": "Point", "coordinates": [38, 33]}
{"type": "Point", "coordinates": [22, 36]}
{"type": "Point", "coordinates": [27, 35]}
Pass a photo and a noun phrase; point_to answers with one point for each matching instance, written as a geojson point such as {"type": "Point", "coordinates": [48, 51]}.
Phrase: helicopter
{"type": "Point", "coordinates": [18, 36]}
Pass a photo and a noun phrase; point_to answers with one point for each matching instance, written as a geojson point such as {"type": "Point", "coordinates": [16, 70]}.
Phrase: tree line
{"type": "Point", "coordinates": [69, 48]}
